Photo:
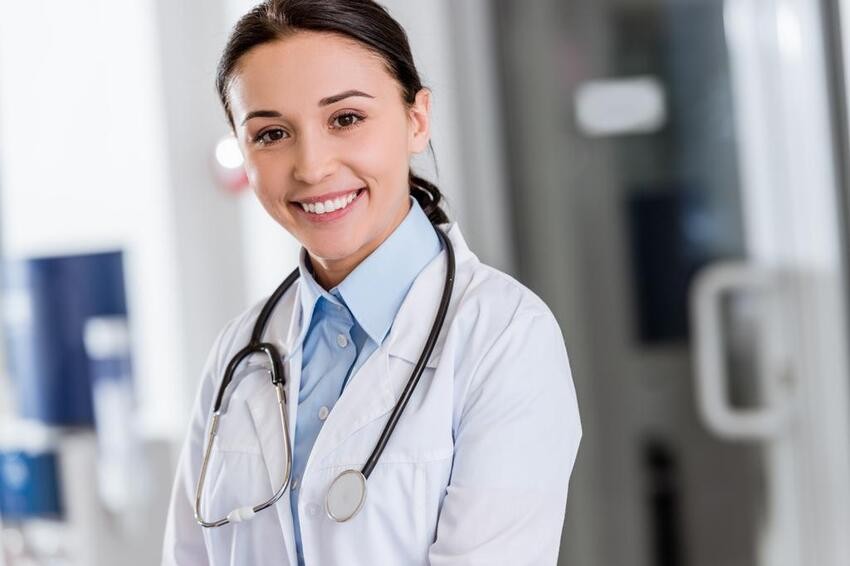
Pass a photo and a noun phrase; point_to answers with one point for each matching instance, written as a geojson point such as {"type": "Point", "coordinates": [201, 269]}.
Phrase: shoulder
{"type": "Point", "coordinates": [496, 316]}
{"type": "Point", "coordinates": [238, 326]}
{"type": "Point", "coordinates": [499, 302]}
{"type": "Point", "coordinates": [508, 350]}
{"type": "Point", "coordinates": [482, 287]}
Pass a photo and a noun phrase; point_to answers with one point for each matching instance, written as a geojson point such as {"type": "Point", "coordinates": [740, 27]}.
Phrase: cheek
{"type": "Point", "coordinates": [265, 176]}
{"type": "Point", "coordinates": [383, 157]}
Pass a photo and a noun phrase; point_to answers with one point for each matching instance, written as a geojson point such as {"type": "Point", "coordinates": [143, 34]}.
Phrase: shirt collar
{"type": "Point", "coordinates": [375, 289]}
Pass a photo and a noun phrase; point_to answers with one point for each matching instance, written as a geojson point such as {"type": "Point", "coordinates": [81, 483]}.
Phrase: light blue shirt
{"type": "Point", "coordinates": [347, 324]}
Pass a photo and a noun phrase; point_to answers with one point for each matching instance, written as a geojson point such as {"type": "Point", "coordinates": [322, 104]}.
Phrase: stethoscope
{"type": "Point", "coordinates": [347, 492]}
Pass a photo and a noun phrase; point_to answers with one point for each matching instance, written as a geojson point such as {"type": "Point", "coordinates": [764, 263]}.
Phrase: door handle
{"type": "Point", "coordinates": [712, 379]}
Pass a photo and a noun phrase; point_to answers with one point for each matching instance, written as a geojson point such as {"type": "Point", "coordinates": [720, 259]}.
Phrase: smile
{"type": "Point", "coordinates": [329, 206]}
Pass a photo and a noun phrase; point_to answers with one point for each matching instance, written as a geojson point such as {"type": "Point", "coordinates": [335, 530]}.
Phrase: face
{"type": "Point", "coordinates": [319, 119]}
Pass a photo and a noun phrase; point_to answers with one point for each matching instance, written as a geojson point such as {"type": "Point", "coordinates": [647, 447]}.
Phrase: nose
{"type": "Point", "coordinates": [314, 160]}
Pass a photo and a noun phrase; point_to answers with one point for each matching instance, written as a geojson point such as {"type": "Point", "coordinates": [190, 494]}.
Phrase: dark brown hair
{"type": "Point", "coordinates": [364, 21]}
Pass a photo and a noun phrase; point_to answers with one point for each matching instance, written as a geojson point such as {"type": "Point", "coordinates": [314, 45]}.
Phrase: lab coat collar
{"type": "Point", "coordinates": [419, 309]}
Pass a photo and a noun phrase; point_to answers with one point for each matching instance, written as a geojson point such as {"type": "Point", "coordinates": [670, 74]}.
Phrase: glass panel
{"type": "Point", "coordinates": [648, 192]}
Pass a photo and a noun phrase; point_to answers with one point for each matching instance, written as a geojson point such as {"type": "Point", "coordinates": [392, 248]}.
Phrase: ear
{"type": "Point", "coordinates": [420, 122]}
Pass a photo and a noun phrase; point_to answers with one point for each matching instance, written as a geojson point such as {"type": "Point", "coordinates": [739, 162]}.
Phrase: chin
{"type": "Point", "coordinates": [332, 251]}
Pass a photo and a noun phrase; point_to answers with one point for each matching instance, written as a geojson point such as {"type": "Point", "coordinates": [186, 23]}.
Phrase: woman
{"type": "Point", "coordinates": [328, 109]}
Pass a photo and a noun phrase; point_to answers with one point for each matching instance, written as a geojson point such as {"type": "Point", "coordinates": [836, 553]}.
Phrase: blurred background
{"type": "Point", "coordinates": [670, 176]}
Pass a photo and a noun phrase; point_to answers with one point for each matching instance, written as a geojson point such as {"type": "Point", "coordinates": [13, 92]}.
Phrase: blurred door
{"type": "Point", "coordinates": [676, 203]}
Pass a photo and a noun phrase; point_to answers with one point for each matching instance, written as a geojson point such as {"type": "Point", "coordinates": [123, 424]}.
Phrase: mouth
{"type": "Point", "coordinates": [330, 209]}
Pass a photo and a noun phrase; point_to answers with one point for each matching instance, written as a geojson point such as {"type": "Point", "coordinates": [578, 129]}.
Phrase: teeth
{"type": "Point", "coordinates": [329, 205]}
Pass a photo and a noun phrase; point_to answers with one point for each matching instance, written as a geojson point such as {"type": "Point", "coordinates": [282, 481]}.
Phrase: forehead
{"type": "Point", "coordinates": [302, 69]}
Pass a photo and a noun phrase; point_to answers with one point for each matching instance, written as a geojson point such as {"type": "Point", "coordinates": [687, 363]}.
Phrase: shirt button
{"type": "Point", "coordinates": [323, 413]}
{"type": "Point", "coordinates": [342, 340]}
{"type": "Point", "coordinates": [313, 510]}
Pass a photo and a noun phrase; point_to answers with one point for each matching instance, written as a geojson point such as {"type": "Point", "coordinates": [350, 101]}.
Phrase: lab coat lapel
{"type": "Point", "coordinates": [418, 311]}
{"type": "Point", "coordinates": [373, 391]}
{"type": "Point", "coordinates": [367, 396]}
{"type": "Point", "coordinates": [263, 405]}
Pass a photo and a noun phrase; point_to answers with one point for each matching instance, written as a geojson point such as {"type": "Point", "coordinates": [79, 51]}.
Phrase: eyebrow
{"type": "Point", "coordinates": [323, 102]}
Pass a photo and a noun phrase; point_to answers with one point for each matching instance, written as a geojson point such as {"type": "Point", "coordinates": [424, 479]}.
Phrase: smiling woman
{"type": "Point", "coordinates": [320, 118]}
{"type": "Point", "coordinates": [470, 467]}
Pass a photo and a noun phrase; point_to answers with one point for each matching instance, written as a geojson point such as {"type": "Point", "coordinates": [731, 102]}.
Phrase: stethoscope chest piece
{"type": "Point", "coordinates": [346, 495]}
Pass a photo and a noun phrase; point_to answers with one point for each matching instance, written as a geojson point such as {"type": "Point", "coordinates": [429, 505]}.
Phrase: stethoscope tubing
{"type": "Point", "coordinates": [279, 381]}
{"type": "Point", "coordinates": [420, 364]}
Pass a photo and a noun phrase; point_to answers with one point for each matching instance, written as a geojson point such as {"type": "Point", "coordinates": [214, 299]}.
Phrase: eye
{"type": "Point", "coordinates": [267, 137]}
{"type": "Point", "coordinates": [348, 120]}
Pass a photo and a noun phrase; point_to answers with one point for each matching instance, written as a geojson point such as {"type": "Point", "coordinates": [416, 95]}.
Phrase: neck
{"type": "Point", "coordinates": [330, 273]}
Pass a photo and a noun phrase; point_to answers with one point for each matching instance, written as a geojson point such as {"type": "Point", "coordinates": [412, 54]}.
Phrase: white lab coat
{"type": "Point", "coordinates": [476, 471]}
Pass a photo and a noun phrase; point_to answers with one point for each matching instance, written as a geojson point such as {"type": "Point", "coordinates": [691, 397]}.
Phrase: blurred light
{"type": "Point", "coordinates": [620, 106]}
{"type": "Point", "coordinates": [788, 31]}
{"type": "Point", "coordinates": [733, 24]}
{"type": "Point", "coordinates": [228, 165]}
{"type": "Point", "coordinates": [227, 153]}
